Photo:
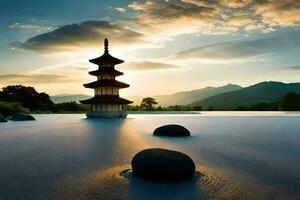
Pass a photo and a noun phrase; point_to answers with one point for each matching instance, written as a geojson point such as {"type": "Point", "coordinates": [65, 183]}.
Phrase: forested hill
{"type": "Point", "coordinates": [261, 92]}
{"type": "Point", "coordinates": [187, 97]}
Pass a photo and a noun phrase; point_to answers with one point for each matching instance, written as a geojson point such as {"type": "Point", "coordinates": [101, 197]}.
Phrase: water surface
{"type": "Point", "coordinates": [239, 155]}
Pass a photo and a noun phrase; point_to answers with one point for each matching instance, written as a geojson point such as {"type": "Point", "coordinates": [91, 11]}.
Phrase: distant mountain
{"type": "Point", "coordinates": [187, 97]}
{"type": "Point", "coordinates": [179, 98]}
{"type": "Point", "coordinates": [68, 98]}
{"type": "Point", "coordinates": [261, 92]}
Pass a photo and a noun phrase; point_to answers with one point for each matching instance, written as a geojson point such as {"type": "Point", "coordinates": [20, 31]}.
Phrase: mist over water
{"type": "Point", "coordinates": [246, 155]}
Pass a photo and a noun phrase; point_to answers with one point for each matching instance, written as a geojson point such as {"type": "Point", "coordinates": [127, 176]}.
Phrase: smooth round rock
{"type": "Point", "coordinates": [2, 119]}
{"type": "Point", "coordinates": [163, 165]}
{"type": "Point", "coordinates": [22, 117]}
{"type": "Point", "coordinates": [171, 130]}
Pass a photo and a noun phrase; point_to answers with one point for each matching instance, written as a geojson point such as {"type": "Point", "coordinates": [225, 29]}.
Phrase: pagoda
{"type": "Point", "coordinates": [106, 102]}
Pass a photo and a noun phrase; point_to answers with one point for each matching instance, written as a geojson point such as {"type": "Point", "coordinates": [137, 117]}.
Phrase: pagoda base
{"type": "Point", "coordinates": [106, 114]}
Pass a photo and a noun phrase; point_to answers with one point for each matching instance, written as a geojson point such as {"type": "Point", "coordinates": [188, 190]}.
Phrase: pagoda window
{"type": "Point", "coordinates": [115, 91]}
{"type": "Point", "coordinates": [106, 65]}
{"type": "Point", "coordinates": [110, 91]}
{"type": "Point", "coordinates": [97, 91]}
{"type": "Point", "coordinates": [105, 76]}
{"type": "Point", "coordinates": [115, 107]}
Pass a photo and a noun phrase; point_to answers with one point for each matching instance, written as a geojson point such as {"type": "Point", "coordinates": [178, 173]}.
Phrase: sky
{"type": "Point", "coordinates": [168, 45]}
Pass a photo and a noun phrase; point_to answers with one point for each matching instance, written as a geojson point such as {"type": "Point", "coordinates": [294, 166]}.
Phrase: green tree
{"type": "Point", "coordinates": [28, 97]}
{"type": "Point", "coordinates": [72, 107]}
{"type": "Point", "coordinates": [10, 108]}
{"type": "Point", "coordinates": [210, 108]}
{"type": "Point", "coordinates": [159, 108]}
{"type": "Point", "coordinates": [265, 107]}
{"type": "Point", "coordinates": [148, 104]}
{"type": "Point", "coordinates": [131, 107]}
{"type": "Point", "coordinates": [197, 108]}
{"type": "Point", "coordinates": [290, 102]}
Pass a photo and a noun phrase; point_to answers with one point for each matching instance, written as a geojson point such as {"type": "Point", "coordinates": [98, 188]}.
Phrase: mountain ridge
{"type": "Point", "coordinates": [187, 97]}
{"type": "Point", "coordinates": [267, 91]}
{"type": "Point", "coordinates": [178, 98]}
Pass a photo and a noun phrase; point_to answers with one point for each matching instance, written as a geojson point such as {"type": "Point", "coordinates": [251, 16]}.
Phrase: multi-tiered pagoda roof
{"type": "Point", "coordinates": [106, 83]}
{"type": "Point", "coordinates": [106, 71]}
{"type": "Point", "coordinates": [106, 99]}
{"type": "Point", "coordinates": [106, 64]}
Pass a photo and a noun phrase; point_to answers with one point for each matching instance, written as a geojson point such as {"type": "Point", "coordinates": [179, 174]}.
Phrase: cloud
{"type": "Point", "coordinates": [171, 17]}
{"type": "Point", "coordinates": [74, 37]}
{"type": "Point", "coordinates": [37, 28]}
{"type": "Point", "coordinates": [168, 18]}
{"type": "Point", "coordinates": [293, 68]}
{"type": "Point", "coordinates": [240, 50]}
{"type": "Point", "coordinates": [147, 65]}
{"type": "Point", "coordinates": [278, 13]}
{"type": "Point", "coordinates": [160, 20]}
{"type": "Point", "coordinates": [33, 78]}
{"type": "Point", "coordinates": [120, 9]}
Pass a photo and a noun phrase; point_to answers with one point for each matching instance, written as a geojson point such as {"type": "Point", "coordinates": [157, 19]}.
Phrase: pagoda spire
{"type": "Point", "coordinates": [106, 45]}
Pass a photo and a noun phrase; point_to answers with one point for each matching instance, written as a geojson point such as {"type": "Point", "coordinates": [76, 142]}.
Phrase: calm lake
{"type": "Point", "coordinates": [239, 155]}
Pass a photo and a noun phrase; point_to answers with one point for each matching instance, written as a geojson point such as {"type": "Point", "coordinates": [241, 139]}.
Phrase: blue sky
{"type": "Point", "coordinates": [186, 44]}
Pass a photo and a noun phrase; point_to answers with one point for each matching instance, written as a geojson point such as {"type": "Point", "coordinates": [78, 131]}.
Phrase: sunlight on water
{"type": "Point", "coordinates": [240, 155]}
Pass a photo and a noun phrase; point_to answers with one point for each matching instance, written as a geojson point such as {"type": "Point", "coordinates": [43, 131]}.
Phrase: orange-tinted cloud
{"type": "Point", "coordinates": [214, 17]}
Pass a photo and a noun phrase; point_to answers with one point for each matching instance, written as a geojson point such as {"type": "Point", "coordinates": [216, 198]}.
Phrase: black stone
{"type": "Point", "coordinates": [163, 165]}
{"type": "Point", "coordinates": [21, 117]}
{"type": "Point", "coordinates": [2, 119]}
{"type": "Point", "coordinates": [171, 130]}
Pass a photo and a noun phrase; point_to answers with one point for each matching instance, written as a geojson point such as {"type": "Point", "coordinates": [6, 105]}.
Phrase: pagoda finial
{"type": "Point", "coordinates": [106, 45]}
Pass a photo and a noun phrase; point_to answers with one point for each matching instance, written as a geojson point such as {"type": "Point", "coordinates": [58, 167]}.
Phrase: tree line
{"type": "Point", "coordinates": [18, 98]}
{"type": "Point", "coordinates": [290, 102]}
{"type": "Point", "coordinates": [150, 104]}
